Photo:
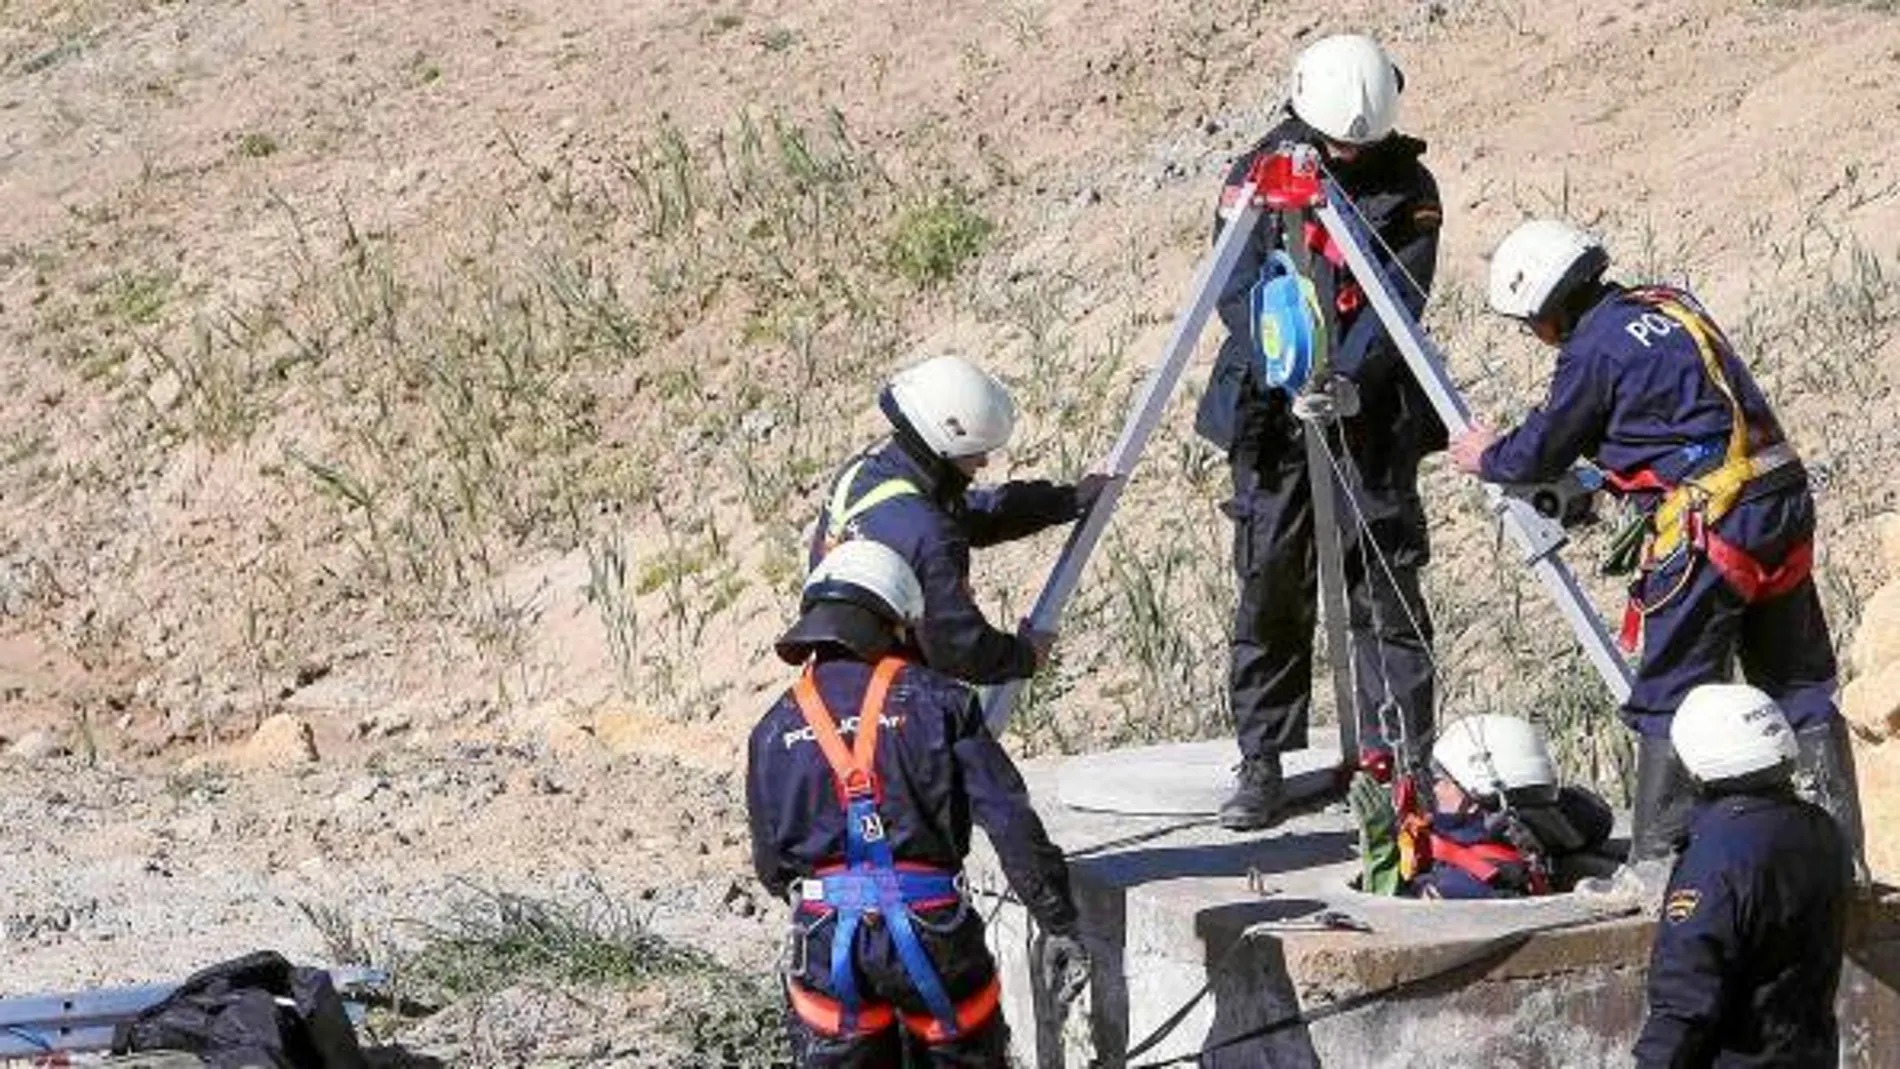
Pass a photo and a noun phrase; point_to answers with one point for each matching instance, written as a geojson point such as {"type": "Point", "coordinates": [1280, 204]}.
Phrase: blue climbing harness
{"type": "Point", "coordinates": [871, 881]}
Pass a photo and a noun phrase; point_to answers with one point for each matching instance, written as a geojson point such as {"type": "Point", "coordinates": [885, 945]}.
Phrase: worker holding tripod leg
{"type": "Point", "coordinates": [1650, 389]}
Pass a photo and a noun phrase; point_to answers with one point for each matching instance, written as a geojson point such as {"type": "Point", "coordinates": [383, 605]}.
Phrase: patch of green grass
{"type": "Point", "coordinates": [59, 53]}
{"type": "Point", "coordinates": [934, 236]}
{"type": "Point", "coordinates": [778, 39]}
{"type": "Point", "coordinates": [491, 939]}
{"type": "Point", "coordinates": [727, 20]}
{"type": "Point", "coordinates": [256, 145]}
{"type": "Point", "coordinates": [135, 298]}
{"type": "Point", "coordinates": [669, 569]}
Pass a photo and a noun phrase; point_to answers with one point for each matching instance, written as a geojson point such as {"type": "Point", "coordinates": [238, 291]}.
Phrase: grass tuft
{"type": "Point", "coordinates": [934, 236]}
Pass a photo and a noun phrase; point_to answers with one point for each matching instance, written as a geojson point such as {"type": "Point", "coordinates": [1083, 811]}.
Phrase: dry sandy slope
{"type": "Point", "coordinates": [1700, 137]}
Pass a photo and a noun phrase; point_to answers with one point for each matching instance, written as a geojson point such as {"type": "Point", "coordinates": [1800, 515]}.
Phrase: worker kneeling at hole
{"type": "Point", "coordinates": [1747, 957]}
{"type": "Point", "coordinates": [1648, 387]}
{"type": "Point", "coordinates": [1499, 824]}
{"type": "Point", "coordinates": [913, 493]}
{"type": "Point", "coordinates": [861, 785]}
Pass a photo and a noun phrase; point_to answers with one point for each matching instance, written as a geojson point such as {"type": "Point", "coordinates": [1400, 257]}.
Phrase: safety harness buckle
{"type": "Point", "coordinates": [870, 827]}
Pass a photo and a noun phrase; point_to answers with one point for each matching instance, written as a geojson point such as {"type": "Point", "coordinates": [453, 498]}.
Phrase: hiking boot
{"type": "Point", "coordinates": [1258, 799]}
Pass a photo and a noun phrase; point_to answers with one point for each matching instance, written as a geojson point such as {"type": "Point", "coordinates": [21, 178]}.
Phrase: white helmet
{"type": "Point", "coordinates": [1490, 755]}
{"type": "Point", "coordinates": [1346, 88]}
{"type": "Point", "coordinates": [1726, 730]}
{"type": "Point", "coordinates": [1538, 264]}
{"type": "Point", "coordinates": [859, 597]}
{"type": "Point", "coordinates": [957, 408]}
{"type": "Point", "coordinates": [871, 574]}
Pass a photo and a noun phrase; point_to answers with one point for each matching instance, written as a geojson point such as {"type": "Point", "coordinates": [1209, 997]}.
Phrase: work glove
{"type": "Point", "coordinates": [1089, 488]}
{"type": "Point", "coordinates": [1337, 397]}
{"type": "Point", "coordinates": [1378, 822]}
{"type": "Point", "coordinates": [1064, 967]}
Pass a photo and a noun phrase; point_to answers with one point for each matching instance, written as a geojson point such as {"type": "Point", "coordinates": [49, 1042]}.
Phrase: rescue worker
{"type": "Point", "coordinates": [913, 494]}
{"type": "Point", "coordinates": [861, 785]}
{"type": "Point", "coordinates": [1747, 957]}
{"type": "Point", "coordinates": [1650, 390]}
{"type": "Point", "coordinates": [1499, 824]}
{"type": "Point", "coordinates": [1343, 100]}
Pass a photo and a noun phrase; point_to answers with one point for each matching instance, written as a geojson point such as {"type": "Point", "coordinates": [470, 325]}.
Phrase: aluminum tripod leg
{"type": "Point", "coordinates": [1141, 423]}
{"type": "Point", "coordinates": [1332, 589]}
{"type": "Point", "coordinates": [1537, 537]}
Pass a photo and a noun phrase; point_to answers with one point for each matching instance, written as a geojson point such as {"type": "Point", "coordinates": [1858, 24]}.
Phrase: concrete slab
{"type": "Point", "coordinates": [1176, 779]}
{"type": "Point", "coordinates": [1195, 959]}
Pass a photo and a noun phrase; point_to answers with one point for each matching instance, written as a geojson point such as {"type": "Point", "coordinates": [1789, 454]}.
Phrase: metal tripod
{"type": "Point", "coordinates": [1291, 180]}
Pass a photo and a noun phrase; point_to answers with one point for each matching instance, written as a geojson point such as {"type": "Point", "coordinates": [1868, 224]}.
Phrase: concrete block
{"type": "Point", "coordinates": [1176, 779]}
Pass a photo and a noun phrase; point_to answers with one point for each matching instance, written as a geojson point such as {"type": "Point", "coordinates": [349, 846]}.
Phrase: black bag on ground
{"type": "Point", "coordinates": [257, 1010]}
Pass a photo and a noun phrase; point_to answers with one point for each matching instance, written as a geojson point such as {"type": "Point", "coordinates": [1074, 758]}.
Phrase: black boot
{"type": "Point", "coordinates": [1824, 775]}
{"type": "Point", "coordinates": [1664, 797]}
{"type": "Point", "coordinates": [1260, 797]}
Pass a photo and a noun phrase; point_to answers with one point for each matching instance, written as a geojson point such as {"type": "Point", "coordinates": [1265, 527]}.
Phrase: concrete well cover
{"type": "Point", "coordinates": [1176, 779]}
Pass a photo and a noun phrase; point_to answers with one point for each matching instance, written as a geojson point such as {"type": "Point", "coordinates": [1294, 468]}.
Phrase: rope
{"type": "Point", "coordinates": [1369, 547]}
{"type": "Point", "coordinates": [1394, 264]}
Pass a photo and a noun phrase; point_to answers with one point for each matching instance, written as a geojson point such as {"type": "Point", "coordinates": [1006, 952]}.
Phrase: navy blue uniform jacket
{"type": "Point", "coordinates": [1631, 393]}
{"type": "Point", "coordinates": [1398, 199]}
{"type": "Point", "coordinates": [934, 530]}
{"type": "Point", "coordinates": [1748, 951]}
{"type": "Point", "coordinates": [940, 768]}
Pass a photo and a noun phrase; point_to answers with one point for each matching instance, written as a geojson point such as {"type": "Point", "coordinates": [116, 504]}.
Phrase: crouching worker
{"type": "Point", "coordinates": [861, 785]}
{"type": "Point", "coordinates": [1747, 956]}
{"type": "Point", "coordinates": [1498, 823]}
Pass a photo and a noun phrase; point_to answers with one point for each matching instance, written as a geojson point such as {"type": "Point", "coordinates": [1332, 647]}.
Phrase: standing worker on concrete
{"type": "Point", "coordinates": [861, 785]}
{"type": "Point", "coordinates": [1648, 387]}
{"type": "Point", "coordinates": [913, 494]}
{"type": "Point", "coordinates": [1747, 956]}
{"type": "Point", "coordinates": [1343, 100]}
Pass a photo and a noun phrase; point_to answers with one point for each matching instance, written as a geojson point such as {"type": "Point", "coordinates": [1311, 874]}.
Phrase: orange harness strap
{"type": "Point", "coordinates": [854, 769]}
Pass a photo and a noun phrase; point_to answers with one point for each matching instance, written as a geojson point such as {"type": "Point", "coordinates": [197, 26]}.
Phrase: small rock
{"type": "Point", "coordinates": [758, 424]}
{"type": "Point", "coordinates": [36, 746]}
{"type": "Point", "coordinates": [566, 739]}
{"type": "Point", "coordinates": [1877, 638]}
{"type": "Point", "coordinates": [1872, 703]}
{"type": "Point", "coordinates": [532, 781]}
{"type": "Point", "coordinates": [364, 789]}
{"type": "Point", "coordinates": [385, 723]}
{"type": "Point", "coordinates": [281, 741]}
{"type": "Point", "coordinates": [739, 901]}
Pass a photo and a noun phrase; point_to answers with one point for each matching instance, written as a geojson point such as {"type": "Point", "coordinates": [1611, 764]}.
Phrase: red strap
{"type": "Point", "coordinates": [1483, 860]}
{"type": "Point", "coordinates": [1644, 479]}
{"type": "Point", "coordinates": [1631, 635]}
{"type": "Point", "coordinates": [826, 1016]}
{"type": "Point", "coordinates": [972, 1013]}
{"type": "Point", "coordinates": [1747, 575]}
{"type": "Point", "coordinates": [1322, 242]}
{"type": "Point", "coordinates": [854, 769]}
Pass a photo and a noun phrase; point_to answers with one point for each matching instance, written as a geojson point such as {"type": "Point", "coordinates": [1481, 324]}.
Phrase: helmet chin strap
{"type": "Point", "coordinates": [946, 479]}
